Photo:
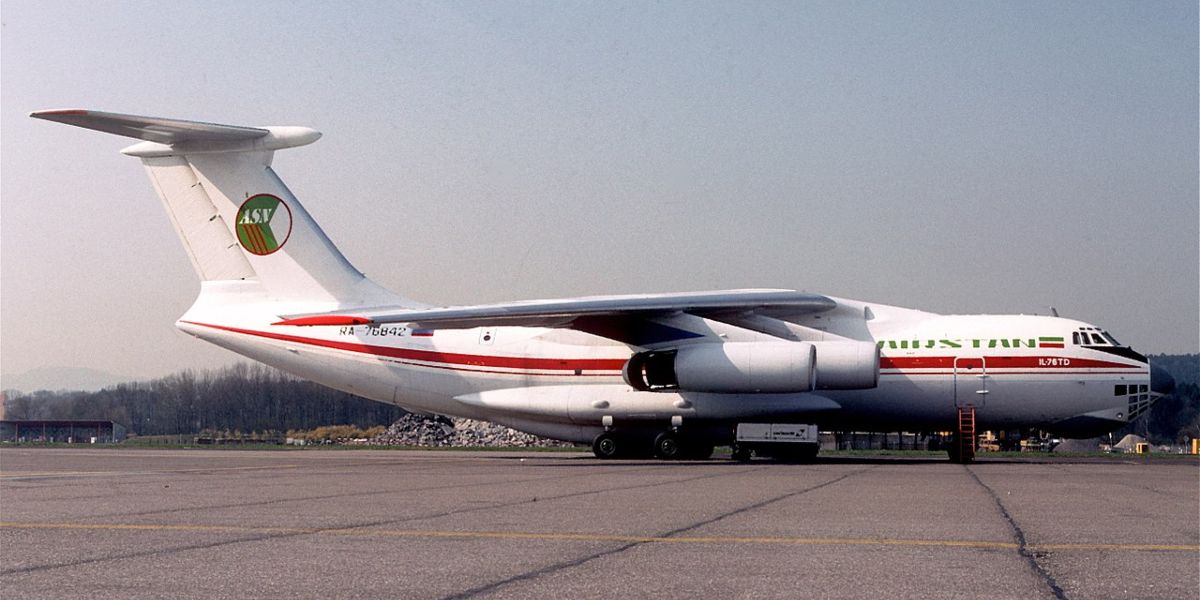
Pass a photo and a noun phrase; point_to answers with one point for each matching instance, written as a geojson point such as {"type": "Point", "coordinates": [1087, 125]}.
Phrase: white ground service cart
{"type": "Point", "coordinates": [783, 441]}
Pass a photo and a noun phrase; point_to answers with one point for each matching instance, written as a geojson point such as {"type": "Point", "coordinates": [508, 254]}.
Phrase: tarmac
{"type": "Point", "coordinates": [135, 523]}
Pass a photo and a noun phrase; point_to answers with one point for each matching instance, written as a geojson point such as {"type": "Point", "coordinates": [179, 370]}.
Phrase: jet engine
{"type": "Point", "coordinates": [756, 367]}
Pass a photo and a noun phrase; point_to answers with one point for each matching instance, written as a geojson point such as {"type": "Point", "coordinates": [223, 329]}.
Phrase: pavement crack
{"type": "Point", "coordinates": [578, 494]}
{"type": "Point", "coordinates": [1031, 556]}
{"type": "Point", "coordinates": [317, 531]}
{"type": "Point", "coordinates": [357, 494]}
{"type": "Point", "coordinates": [575, 562]}
{"type": "Point", "coordinates": [155, 552]}
{"type": "Point", "coordinates": [758, 505]}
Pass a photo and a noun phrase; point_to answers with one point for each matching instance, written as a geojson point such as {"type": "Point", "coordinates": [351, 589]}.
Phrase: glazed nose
{"type": "Point", "coordinates": [1161, 381]}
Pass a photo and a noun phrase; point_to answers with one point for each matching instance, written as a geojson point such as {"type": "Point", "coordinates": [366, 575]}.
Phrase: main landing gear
{"type": "Point", "coordinates": [670, 445]}
{"type": "Point", "coordinates": [667, 445]}
{"type": "Point", "coordinates": [607, 445]}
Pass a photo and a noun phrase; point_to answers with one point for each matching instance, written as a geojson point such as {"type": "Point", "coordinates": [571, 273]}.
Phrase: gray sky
{"type": "Point", "coordinates": [949, 156]}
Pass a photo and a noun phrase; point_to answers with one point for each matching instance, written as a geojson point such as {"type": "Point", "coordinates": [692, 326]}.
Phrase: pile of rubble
{"type": "Point", "coordinates": [417, 430]}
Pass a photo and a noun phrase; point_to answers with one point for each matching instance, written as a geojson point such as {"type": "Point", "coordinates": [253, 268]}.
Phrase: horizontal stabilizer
{"type": "Point", "coordinates": [152, 129]}
{"type": "Point", "coordinates": [560, 313]}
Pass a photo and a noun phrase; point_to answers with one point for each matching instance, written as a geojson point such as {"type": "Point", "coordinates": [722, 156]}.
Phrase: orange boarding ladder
{"type": "Point", "coordinates": [966, 433]}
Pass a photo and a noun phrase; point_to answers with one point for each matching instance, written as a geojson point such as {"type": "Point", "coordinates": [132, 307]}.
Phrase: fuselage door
{"type": "Point", "coordinates": [970, 382]}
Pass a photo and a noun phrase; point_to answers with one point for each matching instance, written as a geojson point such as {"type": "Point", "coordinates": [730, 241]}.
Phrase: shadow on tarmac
{"type": "Point", "coordinates": [574, 459]}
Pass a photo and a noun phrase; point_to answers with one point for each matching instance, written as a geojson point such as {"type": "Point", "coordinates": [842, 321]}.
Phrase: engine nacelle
{"type": "Point", "coordinates": [847, 365]}
{"type": "Point", "coordinates": [756, 367]}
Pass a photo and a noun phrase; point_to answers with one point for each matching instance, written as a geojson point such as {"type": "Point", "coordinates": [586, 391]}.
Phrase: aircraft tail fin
{"type": "Point", "coordinates": [236, 219]}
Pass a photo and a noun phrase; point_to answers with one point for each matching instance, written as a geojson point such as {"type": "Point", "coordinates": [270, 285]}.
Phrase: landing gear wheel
{"type": "Point", "coordinates": [740, 453]}
{"type": "Point", "coordinates": [666, 446]}
{"type": "Point", "coordinates": [606, 445]}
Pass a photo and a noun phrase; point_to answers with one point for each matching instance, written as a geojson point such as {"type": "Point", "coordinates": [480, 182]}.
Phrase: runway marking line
{"type": "Point", "coordinates": [601, 537]}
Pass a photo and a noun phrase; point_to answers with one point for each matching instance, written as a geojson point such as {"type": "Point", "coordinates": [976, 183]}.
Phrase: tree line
{"type": "Point", "coordinates": [1172, 419]}
{"type": "Point", "coordinates": [243, 397]}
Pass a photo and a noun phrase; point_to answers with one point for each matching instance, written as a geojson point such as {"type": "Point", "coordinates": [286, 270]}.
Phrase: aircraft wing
{"type": "Point", "coordinates": [588, 314]}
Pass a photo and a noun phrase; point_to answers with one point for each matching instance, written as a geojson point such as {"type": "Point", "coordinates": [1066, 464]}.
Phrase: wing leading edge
{"type": "Point", "coordinates": [565, 313]}
{"type": "Point", "coordinates": [153, 129]}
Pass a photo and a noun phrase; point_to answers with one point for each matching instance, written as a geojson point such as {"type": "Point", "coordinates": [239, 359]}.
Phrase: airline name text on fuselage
{"type": "Point", "coordinates": [919, 344]}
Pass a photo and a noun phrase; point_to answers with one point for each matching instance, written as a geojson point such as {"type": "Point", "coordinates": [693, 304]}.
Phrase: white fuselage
{"type": "Point", "coordinates": [1015, 370]}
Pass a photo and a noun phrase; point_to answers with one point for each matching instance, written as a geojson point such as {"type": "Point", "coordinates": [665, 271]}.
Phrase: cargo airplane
{"type": "Point", "coordinates": [669, 375]}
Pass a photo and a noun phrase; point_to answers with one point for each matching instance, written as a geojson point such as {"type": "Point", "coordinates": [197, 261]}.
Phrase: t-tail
{"type": "Point", "coordinates": [245, 232]}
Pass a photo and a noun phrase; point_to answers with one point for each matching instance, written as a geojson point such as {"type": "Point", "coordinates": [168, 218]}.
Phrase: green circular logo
{"type": "Point", "coordinates": [264, 224]}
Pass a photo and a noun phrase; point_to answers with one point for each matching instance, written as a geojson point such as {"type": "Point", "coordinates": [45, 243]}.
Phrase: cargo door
{"type": "Point", "coordinates": [970, 382]}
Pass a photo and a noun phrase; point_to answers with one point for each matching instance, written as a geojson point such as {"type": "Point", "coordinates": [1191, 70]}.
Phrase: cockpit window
{"type": "Point", "coordinates": [1092, 336]}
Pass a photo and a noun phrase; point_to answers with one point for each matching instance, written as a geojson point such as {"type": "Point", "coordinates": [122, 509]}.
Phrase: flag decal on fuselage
{"type": "Point", "coordinates": [1050, 342]}
{"type": "Point", "coordinates": [264, 223]}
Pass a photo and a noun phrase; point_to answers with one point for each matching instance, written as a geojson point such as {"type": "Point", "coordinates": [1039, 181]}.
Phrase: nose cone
{"type": "Point", "coordinates": [1161, 381]}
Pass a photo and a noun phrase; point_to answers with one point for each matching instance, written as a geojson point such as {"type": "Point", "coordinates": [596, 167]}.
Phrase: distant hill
{"type": "Point", "coordinates": [61, 378]}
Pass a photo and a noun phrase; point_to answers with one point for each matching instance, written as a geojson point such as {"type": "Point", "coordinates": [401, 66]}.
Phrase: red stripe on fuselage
{"type": "Point", "coordinates": [916, 362]}
{"type": "Point", "coordinates": [1051, 362]}
{"type": "Point", "coordinates": [479, 362]}
{"type": "Point", "coordinates": [467, 360]}
{"type": "Point", "coordinates": [1005, 373]}
{"type": "Point", "coordinates": [1046, 363]}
